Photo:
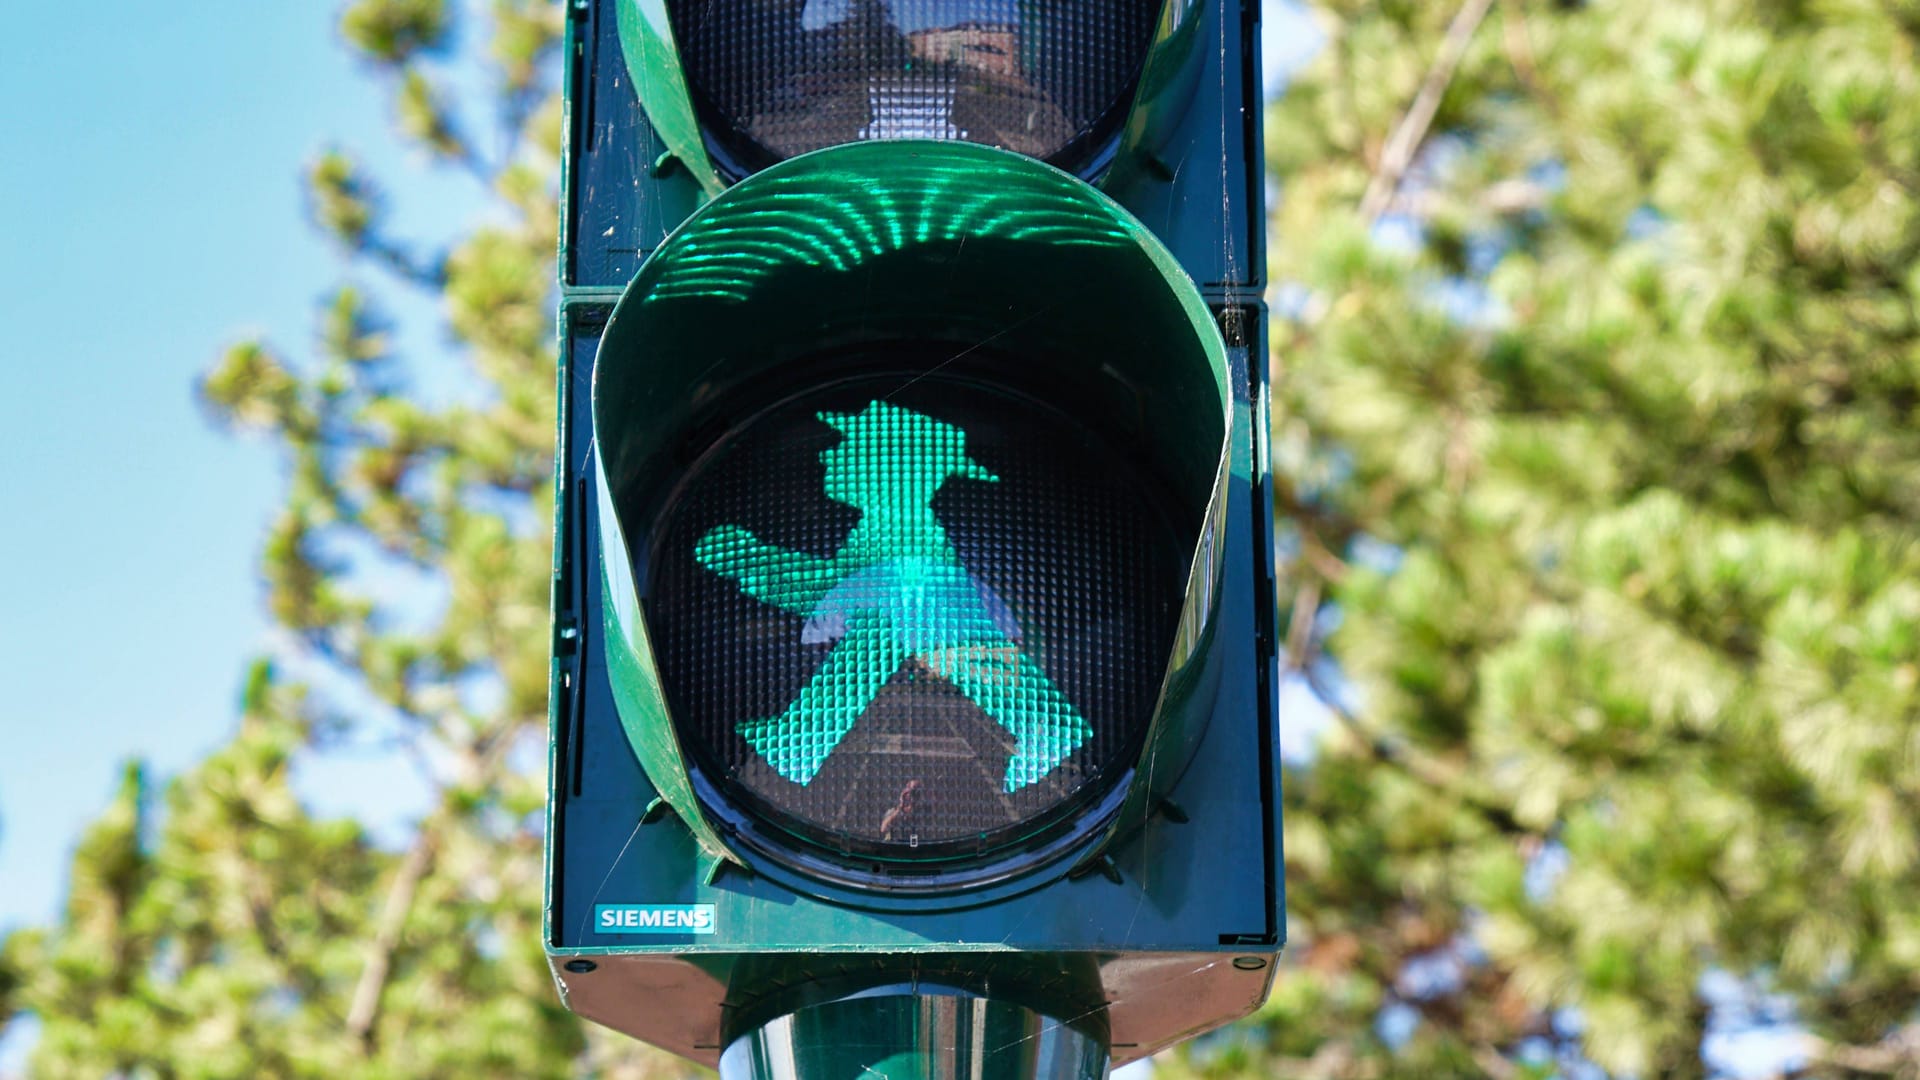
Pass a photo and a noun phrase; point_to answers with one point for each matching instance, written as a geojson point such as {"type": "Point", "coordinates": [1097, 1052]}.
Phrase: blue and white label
{"type": "Point", "coordinates": [653, 918]}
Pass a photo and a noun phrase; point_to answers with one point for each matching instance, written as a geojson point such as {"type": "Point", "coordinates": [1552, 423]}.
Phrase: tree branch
{"type": "Point", "coordinates": [1896, 1055]}
{"type": "Point", "coordinates": [1306, 605]}
{"type": "Point", "coordinates": [1493, 1063]}
{"type": "Point", "coordinates": [483, 756]}
{"type": "Point", "coordinates": [364, 1011]}
{"type": "Point", "coordinates": [1519, 47]}
{"type": "Point", "coordinates": [1414, 764]}
{"type": "Point", "coordinates": [1407, 136]}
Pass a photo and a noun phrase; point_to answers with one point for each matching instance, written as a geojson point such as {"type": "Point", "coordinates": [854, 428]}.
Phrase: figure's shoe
{"type": "Point", "coordinates": [1043, 745]}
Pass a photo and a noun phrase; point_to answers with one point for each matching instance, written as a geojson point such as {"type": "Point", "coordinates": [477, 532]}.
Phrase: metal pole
{"type": "Point", "coordinates": [916, 1033]}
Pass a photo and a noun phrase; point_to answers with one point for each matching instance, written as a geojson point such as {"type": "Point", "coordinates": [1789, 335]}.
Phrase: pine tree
{"type": "Point", "coordinates": [1599, 433]}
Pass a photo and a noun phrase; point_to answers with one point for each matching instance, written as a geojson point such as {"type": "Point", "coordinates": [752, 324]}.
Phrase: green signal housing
{"type": "Point", "coordinates": [913, 597]}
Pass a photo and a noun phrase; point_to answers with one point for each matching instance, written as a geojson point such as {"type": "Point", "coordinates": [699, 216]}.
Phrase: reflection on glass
{"type": "Point", "coordinates": [775, 78]}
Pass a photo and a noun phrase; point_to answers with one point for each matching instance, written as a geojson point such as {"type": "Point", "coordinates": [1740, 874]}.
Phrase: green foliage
{"type": "Point", "coordinates": [1627, 376]}
{"type": "Point", "coordinates": [392, 31]}
{"type": "Point", "coordinates": [423, 115]}
{"type": "Point", "coordinates": [342, 199]}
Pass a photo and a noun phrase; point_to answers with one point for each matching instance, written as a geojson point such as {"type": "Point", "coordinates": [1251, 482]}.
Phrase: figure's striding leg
{"type": "Point", "coordinates": [797, 742]}
{"type": "Point", "coordinates": [1018, 695]}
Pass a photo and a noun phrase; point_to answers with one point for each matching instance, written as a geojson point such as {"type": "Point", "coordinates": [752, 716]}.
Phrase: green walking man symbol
{"type": "Point", "coordinates": [894, 592]}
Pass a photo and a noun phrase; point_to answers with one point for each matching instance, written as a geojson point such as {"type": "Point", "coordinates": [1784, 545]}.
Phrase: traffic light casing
{"type": "Point", "coordinates": [1148, 906]}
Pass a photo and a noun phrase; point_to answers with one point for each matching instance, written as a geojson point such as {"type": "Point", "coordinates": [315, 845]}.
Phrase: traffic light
{"type": "Point", "coordinates": [913, 666]}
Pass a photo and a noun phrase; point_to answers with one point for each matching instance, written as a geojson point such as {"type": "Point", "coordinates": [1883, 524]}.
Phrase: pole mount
{"type": "Point", "coordinates": [917, 1032]}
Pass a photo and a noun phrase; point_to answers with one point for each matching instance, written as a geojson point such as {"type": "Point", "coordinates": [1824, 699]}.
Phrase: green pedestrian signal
{"type": "Point", "coordinates": [1040, 608]}
{"type": "Point", "coordinates": [895, 593]}
{"type": "Point", "coordinates": [913, 665]}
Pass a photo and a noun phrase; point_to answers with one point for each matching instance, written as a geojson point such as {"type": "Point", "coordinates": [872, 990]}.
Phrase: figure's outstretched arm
{"type": "Point", "coordinates": [792, 580]}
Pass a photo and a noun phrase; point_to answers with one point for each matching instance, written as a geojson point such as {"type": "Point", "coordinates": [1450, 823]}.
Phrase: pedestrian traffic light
{"type": "Point", "coordinates": [913, 668]}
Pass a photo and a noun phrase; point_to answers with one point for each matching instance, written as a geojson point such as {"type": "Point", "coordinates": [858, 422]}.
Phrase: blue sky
{"type": "Point", "coordinates": [151, 208]}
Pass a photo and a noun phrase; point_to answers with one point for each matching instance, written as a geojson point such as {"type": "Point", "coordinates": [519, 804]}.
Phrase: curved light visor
{"type": "Point", "coordinates": [772, 79]}
{"type": "Point", "coordinates": [909, 465]}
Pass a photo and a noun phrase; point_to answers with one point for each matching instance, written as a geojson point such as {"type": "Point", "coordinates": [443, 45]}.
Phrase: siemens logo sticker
{"type": "Point", "coordinates": [653, 918]}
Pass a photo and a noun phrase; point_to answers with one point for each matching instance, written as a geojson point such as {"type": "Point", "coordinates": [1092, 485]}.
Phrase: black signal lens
{"type": "Point", "coordinates": [1051, 79]}
{"type": "Point", "coordinates": [912, 620]}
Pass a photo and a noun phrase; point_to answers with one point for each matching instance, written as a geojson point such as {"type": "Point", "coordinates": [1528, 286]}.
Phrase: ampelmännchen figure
{"type": "Point", "coordinates": [894, 592]}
